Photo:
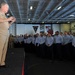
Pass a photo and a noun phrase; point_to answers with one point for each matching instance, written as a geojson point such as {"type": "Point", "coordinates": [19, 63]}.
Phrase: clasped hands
{"type": "Point", "coordinates": [12, 19]}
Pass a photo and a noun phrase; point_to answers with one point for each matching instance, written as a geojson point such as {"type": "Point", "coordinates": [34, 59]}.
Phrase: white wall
{"type": "Point", "coordinates": [20, 29]}
{"type": "Point", "coordinates": [55, 27]}
{"type": "Point", "coordinates": [26, 28]}
{"type": "Point", "coordinates": [65, 27]}
{"type": "Point", "coordinates": [29, 29]}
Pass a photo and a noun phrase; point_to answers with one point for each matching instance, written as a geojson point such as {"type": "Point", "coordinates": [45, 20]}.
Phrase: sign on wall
{"type": "Point", "coordinates": [42, 28]}
{"type": "Point", "coordinates": [35, 28]}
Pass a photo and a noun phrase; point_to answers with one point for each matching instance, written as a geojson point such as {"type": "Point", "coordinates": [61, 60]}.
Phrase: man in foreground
{"type": "Point", "coordinates": [4, 26]}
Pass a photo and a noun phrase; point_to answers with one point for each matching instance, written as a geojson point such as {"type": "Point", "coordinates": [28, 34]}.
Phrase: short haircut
{"type": "Point", "coordinates": [2, 3]}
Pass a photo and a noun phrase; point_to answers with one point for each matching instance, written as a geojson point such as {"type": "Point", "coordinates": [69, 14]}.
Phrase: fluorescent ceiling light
{"type": "Point", "coordinates": [29, 19]}
{"type": "Point", "coordinates": [31, 7]}
{"type": "Point", "coordinates": [42, 22]}
{"type": "Point", "coordinates": [68, 22]}
{"type": "Point", "coordinates": [59, 8]}
{"type": "Point", "coordinates": [72, 15]}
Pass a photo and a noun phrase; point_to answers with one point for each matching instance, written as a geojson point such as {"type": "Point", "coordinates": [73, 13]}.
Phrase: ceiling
{"type": "Point", "coordinates": [42, 11]}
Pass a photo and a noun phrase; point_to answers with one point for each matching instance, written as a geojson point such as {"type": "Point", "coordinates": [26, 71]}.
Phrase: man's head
{"type": "Point", "coordinates": [57, 33]}
{"type": "Point", "coordinates": [4, 7]}
{"type": "Point", "coordinates": [65, 33]}
{"type": "Point", "coordinates": [49, 35]}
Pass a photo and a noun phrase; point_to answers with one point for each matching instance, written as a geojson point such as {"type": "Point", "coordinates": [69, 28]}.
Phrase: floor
{"type": "Point", "coordinates": [14, 62]}
{"type": "Point", "coordinates": [38, 66]}
{"type": "Point", "coordinates": [34, 65]}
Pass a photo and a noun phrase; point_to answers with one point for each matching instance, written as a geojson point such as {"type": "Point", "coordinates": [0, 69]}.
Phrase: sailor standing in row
{"type": "Point", "coordinates": [42, 45]}
{"type": "Point", "coordinates": [49, 46]}
{"type": "Point", "coordinates": [66, 48]}
{"type": "Point", "coordinates": [58, 40]}
{"type": "Point", "coordinates": [73, 44]}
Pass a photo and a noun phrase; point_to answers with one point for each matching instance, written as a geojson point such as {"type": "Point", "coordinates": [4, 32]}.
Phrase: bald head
{"type": "Point", "coordinates": [4, 7]}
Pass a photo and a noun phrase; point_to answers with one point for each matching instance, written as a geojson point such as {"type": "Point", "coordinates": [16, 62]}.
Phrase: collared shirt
{"type": "Point", "coordinates": [25, 40]}
{"type": "Point", "coordinates": [37, 40]}
{"type": "Point", "coordinates": [33, 40]}
{"type": "Point", "coordinates": [3, 25]}
{"type": "Point", "coordinates": [58, 39]}
{"type": "Point", "coordinates": [73, 41]}
{"type": "Point", "coordinates": [41, 40]}
{"type": "Point", "coordinates": [29, 40]}
{"type": "Point", "coordinates": [70, 38]}
{"type": "Point", "coordinates": [15, 40]}
{"type": "Point", "coordinates": [66, 39]}
{"type": "Point", "coordinates": [20, 39]}
{"type": "Point", "coordinates": [49, 41]}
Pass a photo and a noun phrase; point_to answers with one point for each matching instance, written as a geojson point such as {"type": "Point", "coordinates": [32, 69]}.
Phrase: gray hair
{"type": "Point", "coordinates": [2, 3]}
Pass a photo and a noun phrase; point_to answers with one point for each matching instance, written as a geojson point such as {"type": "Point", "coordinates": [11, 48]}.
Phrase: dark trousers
{"type": "Point", "coordinates": [49, 52]}
{"type": "Point", "coordinates": [37, 50]}
{"type": "Point", "coordinates": [25, 47]}
{"type": "Point", "coordinates": [42, 50]}
{"type": "Point", "coordinates": [66, 51]}
{"type": "Point", "coordinates": [58, 51]}
{"type": "Point", "coordinates": [73, 54]}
